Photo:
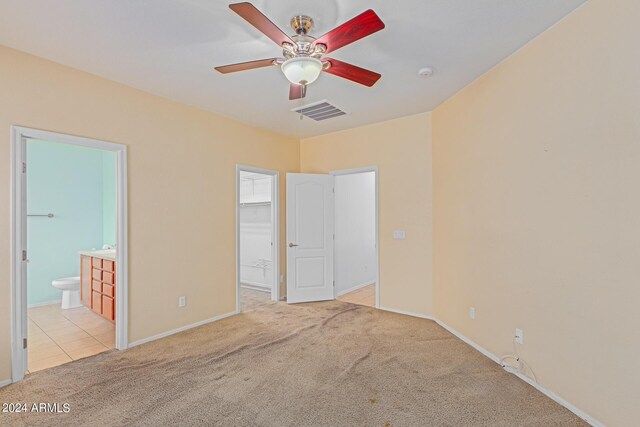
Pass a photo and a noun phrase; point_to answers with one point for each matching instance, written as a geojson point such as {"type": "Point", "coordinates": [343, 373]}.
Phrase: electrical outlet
{"type": "Point", "coordinates": [182, 301]}
{"type": "Point", "coordinates": [519, 336]}
{"type": "Point", "coordinates": [472, 313]}
{"type": "Point", "coordinates": [399, 234]}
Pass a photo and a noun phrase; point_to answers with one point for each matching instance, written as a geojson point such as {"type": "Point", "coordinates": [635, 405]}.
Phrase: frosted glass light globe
{"type": "Point", "coordinates": [302, 70]}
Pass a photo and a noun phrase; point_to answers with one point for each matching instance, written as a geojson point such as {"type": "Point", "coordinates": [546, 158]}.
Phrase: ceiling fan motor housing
{"type": "Point", "coordinates": [301, 24]}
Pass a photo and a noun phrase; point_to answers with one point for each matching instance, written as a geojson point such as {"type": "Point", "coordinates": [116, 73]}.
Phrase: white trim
{"type": "Point", "coordinates": [182, 329]}
{"type": "Point", "coordinates": [275, 223]}
{"type": "Point", "coordinates": [354, 288]}
{"type": "Point", "coordinates": [468, 341]}
{"type": "Point", "coordinates": [5, 383]}
{"type": "Point", "coordinates": [365, 169]}
{"type": "Point", "coordinates": [42, 304]}
{"type": "Point", "coordinates": [408, 313]}
{"type": "Point", "coordinates": [19, 137]}
{"type": "Point", "coordinates": [551, 395]}
{"type": "Point", "coordinates": [18, 267]}
{"type": "Point", "coordinates": [580, 413]}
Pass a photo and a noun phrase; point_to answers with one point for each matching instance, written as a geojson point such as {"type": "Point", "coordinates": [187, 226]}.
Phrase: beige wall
{"type": "Point", "coordinates": [181, 186]}
{"type": "Point", "coordinates": [537, 208]}
{"type": "Point", "coordinates": [402, 151]}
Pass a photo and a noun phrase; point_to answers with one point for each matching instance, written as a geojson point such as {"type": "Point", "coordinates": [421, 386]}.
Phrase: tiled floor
{"type": "Point", "coordinates": [59, 336]}
{"type": "Point", "coordinates": [363, 296]}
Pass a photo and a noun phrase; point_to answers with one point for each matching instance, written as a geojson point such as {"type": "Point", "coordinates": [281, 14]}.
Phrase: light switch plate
{"type": "Point", "coordinates": [182, 301]}
{"type": "Point", "coordinates": [399, 234]}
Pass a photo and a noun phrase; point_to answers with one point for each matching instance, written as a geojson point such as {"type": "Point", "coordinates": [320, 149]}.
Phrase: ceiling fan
{"type": "Point", "coordinates": [303, 55]}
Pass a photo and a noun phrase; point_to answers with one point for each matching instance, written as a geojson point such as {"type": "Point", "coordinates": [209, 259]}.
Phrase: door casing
{"type": "Point", "coordinates": [19, 137]}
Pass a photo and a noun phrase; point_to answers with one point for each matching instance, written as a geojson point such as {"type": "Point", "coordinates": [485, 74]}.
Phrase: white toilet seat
{"type": "Point", "coordinates": [67, 283]}
{"type": "Point", "coordinates": [70, 287]}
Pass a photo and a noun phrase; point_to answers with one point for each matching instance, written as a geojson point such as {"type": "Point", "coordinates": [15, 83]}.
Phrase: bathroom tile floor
{"type": "Point", "coordinates": [363, 296]}
{"type": "Point", "coordinates": [58, 336]}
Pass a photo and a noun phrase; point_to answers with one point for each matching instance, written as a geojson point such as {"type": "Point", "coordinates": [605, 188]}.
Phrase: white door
{"type": "Point", "coordinates": [309, 237]}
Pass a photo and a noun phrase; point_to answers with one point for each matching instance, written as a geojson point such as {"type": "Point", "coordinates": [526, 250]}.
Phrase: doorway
{"type": "Point", "coordinates": [355, 253]}
{"type": "Point", "coordinates": [69, 206]}
{"type": "Point", "coordinates": [257, 214]}
{"type": "Point", "coordinates": [332, 236]}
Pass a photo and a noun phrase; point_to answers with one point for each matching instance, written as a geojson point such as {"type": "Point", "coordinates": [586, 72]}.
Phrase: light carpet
{"type": "Point", "coordinates": [318, 364]}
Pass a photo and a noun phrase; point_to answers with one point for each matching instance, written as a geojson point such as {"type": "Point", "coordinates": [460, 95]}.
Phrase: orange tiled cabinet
{"type": "Point", "coordinates": [98, 285]}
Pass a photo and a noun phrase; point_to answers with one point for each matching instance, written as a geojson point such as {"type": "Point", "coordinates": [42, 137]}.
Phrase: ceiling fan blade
{"type": "Point", "coordinates": [352, 72]}
{"type": "Point", "coordinates": [254, 17]}
{"type": "Point", "coordinates": [297, 91]}
{"type": "Point", "coordinates": [353, 30]}
{"type": "Point", "coordinates": [232, 68]}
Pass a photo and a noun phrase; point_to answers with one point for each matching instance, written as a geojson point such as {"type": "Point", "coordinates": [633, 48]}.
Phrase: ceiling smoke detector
{"type": "Point", "coordinates": [425, 72]}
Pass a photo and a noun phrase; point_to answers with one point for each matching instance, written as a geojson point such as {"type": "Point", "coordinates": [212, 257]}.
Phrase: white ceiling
{"type": "Point", "coordinates": [169, 48]}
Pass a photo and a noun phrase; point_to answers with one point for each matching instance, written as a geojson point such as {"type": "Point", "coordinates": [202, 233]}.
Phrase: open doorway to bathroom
{"type": "Point", "coordinates": [69, 245]}
{"type": "Point", "coordinates": [257, 237]}
{"type": "Point", "coordinates": [71, 217]}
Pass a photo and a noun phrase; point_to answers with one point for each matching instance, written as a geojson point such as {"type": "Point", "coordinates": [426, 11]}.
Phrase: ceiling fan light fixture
{"type": "Point", "coordinates": [302, 70]}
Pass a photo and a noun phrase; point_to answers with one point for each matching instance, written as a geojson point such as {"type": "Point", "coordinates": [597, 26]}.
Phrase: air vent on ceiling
{"type": "Point", "coordinates": [319, 111]}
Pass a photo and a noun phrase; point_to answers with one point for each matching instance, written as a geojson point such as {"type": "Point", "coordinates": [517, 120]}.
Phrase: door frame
{"type": "Point", "coordinates": [19, 137]}
{"type": "Point", "coordinates": [275, 227]}
{"type": "Point", "coordinates": [354, 171]}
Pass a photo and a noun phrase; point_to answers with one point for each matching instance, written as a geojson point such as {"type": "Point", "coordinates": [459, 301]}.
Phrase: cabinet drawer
{"type": "Point", "coordinates": [96, 302]}
{"type": "Point", "coordinates": [96, 286]}
{"type": "Point", "coordinates": [96, 274]}
{"type": "Point", "coordinates": [107, 307]}
{"type": "Point", "coordinates": [108, 290]}
{"type": "Point", "coordinates": [108, 265]}
{"type": "Point", "coordinates": [96, 262]}
{"type": "Point", "coordinates": [108, 277]}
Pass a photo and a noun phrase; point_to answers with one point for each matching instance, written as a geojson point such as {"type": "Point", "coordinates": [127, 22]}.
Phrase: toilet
{"type": "Point", "coordinates": [70, 287]}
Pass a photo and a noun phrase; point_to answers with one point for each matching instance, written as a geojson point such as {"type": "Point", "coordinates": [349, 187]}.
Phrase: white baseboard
{"type": "Point", "coordinates": [407, 313]}
{"type": "Point", "coordinates": [5, 383]}
{"type": "Point", "coordinates": [41, 304]}
{"type": "Point", "coordinates": [181, 329]}
{"type": "Point", "coordinates": [482, 350]}
{"type": "Point", "coordinates": [579, 412]}
{"type": "Point", "coordinates": [355, 288]}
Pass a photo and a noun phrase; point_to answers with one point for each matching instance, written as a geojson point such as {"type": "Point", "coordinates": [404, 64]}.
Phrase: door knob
{"type": "Point", "coordinates": [291, 245]}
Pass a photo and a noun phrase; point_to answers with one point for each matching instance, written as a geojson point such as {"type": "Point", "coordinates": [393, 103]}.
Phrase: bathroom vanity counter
{"type": "Point", "coordinates": [109, 254]}
{"type": "Point", "coordinates": [98, 282]}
